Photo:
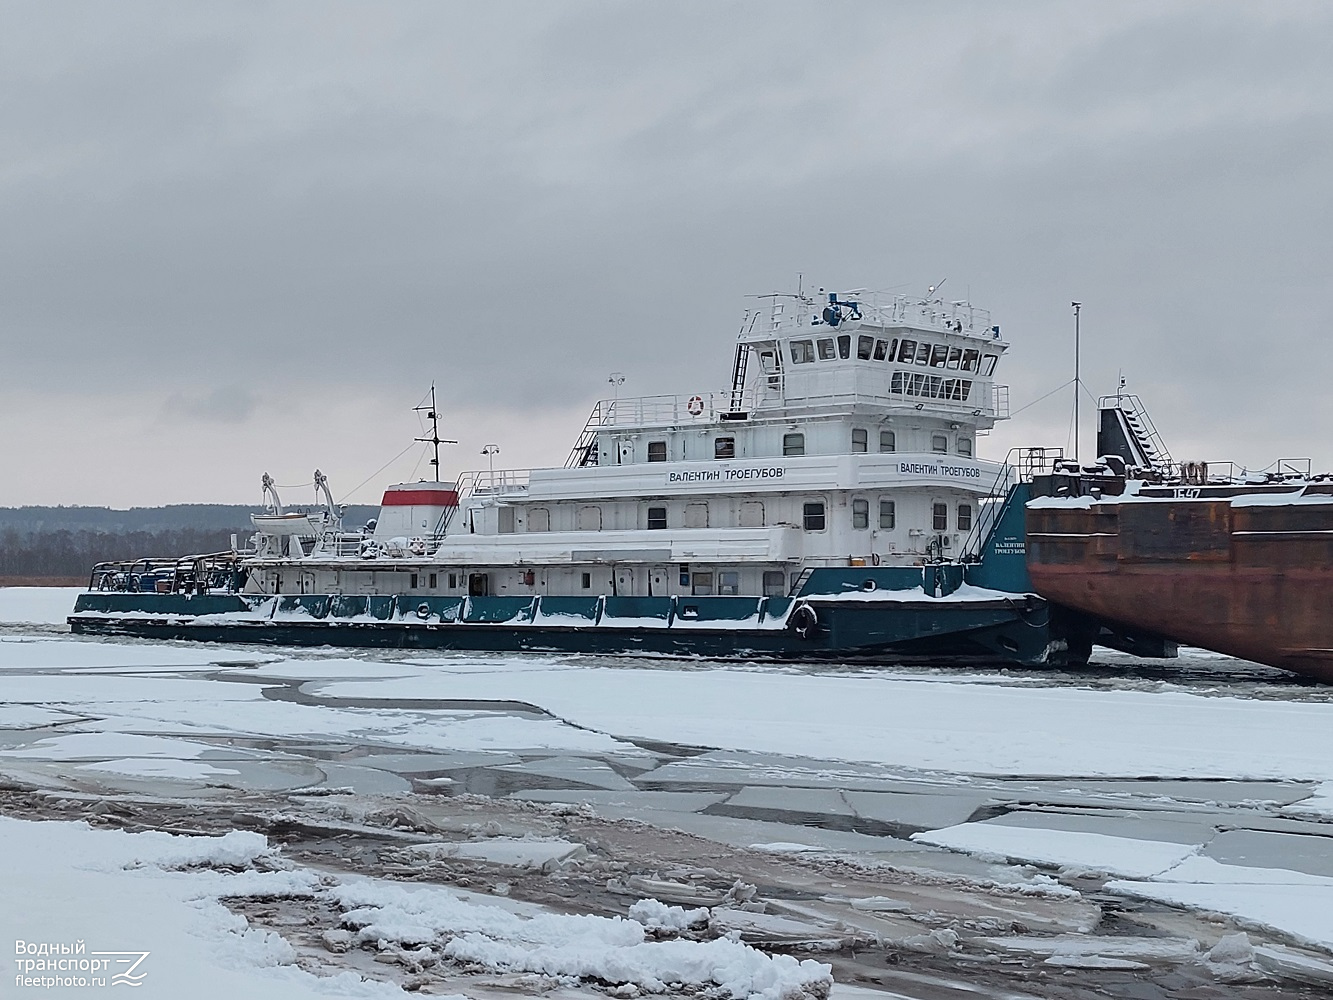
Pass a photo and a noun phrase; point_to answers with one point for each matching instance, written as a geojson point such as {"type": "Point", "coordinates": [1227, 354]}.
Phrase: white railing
{"type": "Point", "coordinates": [938, 314]}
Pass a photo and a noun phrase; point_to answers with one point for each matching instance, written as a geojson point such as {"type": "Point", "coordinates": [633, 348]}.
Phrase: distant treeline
{"type": "Point", "coordinates": [65, 542]}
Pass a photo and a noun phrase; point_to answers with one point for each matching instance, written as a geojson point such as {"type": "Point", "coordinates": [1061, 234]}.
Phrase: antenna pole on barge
{"type": "Point", "coordinates": [432, 414]}
{"type": "Point", "coordinates": [1078, 383]}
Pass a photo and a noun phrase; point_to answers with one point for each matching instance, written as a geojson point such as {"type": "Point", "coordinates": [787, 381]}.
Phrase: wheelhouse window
{"type": "Point", "coordinates": [729, 583]}
{"type": "Point", "coordinates": [883, 350]}
{"type": "Point", "coordinates": [988, 364]}
{"type": "Point", "coordinates": [860, 514]}
{"type": "Point", "coordinates": [970, 360]}
{"type": "Point", "coordinates": [888, 515]}
{"type": "Point", "coordinates": [827, 352]}
{"type": "Point", "coordinates": [802, 352]}
{"type": "Point", "coordinates": [898, 382]}
{"type": "Point", "coordinates": [965, 447]}
{"type": "Point", "coordinates": [865, 346]}
{"type": "Point", "coordinates": [845, 346]}
{"type": "Point", "coordinates": [539, 519]}
{"type": "Point", "coordinates": [724, 447]}
{"type": "Point", "coordinates": [812, 516]}
{"type": "Point", "coordinates": [964, 517]}
{"type": "Point", "coordinates": [939, 443]}
{"type": "Point", "coordinates": [860, 437]}
{"type": "Point", "coordinates": [888, 441]}
{"type": "Point", "coordinates": [906, 352]}
{"type": "Point", "coordinates": [940, 513]}
{"type": "Point", "coordinates": [793, 444]}
{"type": "Point", "coordinates": [657, 451]}
{"type": "Point", "coordinates": [955, 357]}
{"type": "Point", "coordinates": [657, 518]}
{"type": "Point", "coordinates": [938, 355]}
{"type": "Point", "coordinates": [922, 353]}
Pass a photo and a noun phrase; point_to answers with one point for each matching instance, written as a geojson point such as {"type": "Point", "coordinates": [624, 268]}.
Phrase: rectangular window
{"type": "Point", "coordinates": [506, 515]}
{"type": "Point", "coordinates": [881, 350]}
{"type": "Point", "coordinates": [967, 387]}
{"type": "Point", "coordinates": [970, 359]}
{"type": "Point", "coordinates": [860, 514]}
{"type": "Point", "coordinates": [802, 352]}
{"type": "Point", "coordinates": [933, 387]}
{"type": "Point", "coordinates": [729, 584]}
{"type": "Point", "coordinates": [965, 447]}
{"type": "Point", "coordinates": [888, 515]}
{"type": "Point", "coordinates": [752, 513]}
{"type": "Point", "coordinates": [539, 519]}
{"type": "Point", "coordinates": [453, 580]}
{"type": "Point", "coordinates": [896, 386]}
{"type": "Point", "coordinates": [774, 583]}
{"type": "Point", "coordinates": [826, 350]}
{"type": "Point", "coordinates": [988, 364]}
{"type": "Point", "coordinates": [696, 515]}
{"type": "Point", "coordinates": [590, 519]}
{"type": "Point", "coordinates": [813, 516]}
{"type": "Point", "coordinates": [701, 584]}
{"type": "Point", "coordinates": [864, 345]}
{"type": "Point", "coordinates": [587, 581]}
{"type": "Point", "coordinates": [724, 447]}
{"type": "Point", "coordinates": [939, 443]}
{"type": "Point", "coordinates": [941, 516]}
{"type": "Point", "coordinates": [938, 355]}
{"type": "Point", "coordinates": [860, 437]}
{"type": "Point", "coordinates": [657, 451]}
{"type": "Point", "coordinates": [906, 352]}
{"type": "Point", "coordinates": [922, 353]}
{"type": "Point", "coordinates": [434, 580]}
{"type": "Point", "coordinates": [413, 584]}
{"type": "Point", "coordinates": [845, 346]}
{"type": "Point", "coordinates": [955, 356]}
{"type": "Point", "coordinates": [888, 441]}
{"type": "Point", "coordinates": [768, 361]}
{"type": "Point", "coordinates": [964, 517]}
{"type": "Point", "coordinates": [793, 444]}
{"type": "Point", "coordinates": [656, 518]}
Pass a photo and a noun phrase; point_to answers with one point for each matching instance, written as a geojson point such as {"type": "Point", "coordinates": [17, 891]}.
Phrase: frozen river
{"type": "Point", "coordinates": [313, 822]}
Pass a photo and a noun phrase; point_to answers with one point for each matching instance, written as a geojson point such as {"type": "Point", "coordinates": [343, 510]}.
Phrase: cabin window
{"type": "Point", "coordinates": [845, 346]}
{"type": "Point", "coordinates": [587, 581]}
{"type": "Point", "coordinates": [724, 447]}
{"type": "Point", "coordinates": [864, 346]}
{"type": "Point", "coordinates": [860, 514]}
{"type": "Point", "coordinates": [988, 364]}
{"type": "Point", "coordinates": [701, 584]}
{"type": "Point", "coordinates": [434, 580]}
{"type": "Point", "coordinates": [802, 352]}
{"type": "Point", "coordinates": [964, 517]}
{"type": "Point", "coordinates": [906, 352]}
{"type": "Point", "coordinates": [729, 584]}
{"type": "Point", "coordinates": [955, 356]}
{"type": "Point", "coordinates": [938, 355]}
{"type": "Point", "coordinates": [412, 584]}
{"type": "Point", "coordinates": [888, 515]}
{"type": "Point", "coordinates": [590, 519]}
{"type": "Point", "coordinates": [922, 353]}
{"type": "Point", "coordinates": [888, 441]}
{"type": "Point", "coordinates": [881, 350]}
{"type": "Point", "coordinates": [940, 513]}
{"type": "Point", "coordinates": [539, 519]}
{"type": "Point", "coordinates": [752, 514]}
{"type": "Point", "coordinates": [812, 516]}
{"type": "Point", "coordinates": [657, 451]}
{"type": "Point", "coordinates": [453, 581]}
{"type": "Point", "coordinates": [478, 585]}
{"type": "Point", "coordinates": [860, 437]}
{"type": "Point", "coordinates": [896, 385]}
{"type": "Point", "coordinates": [767, 361]}
{"type": "Point", "coordinates": [696, 515]}
{"type": "Point", "coordinates": [939, 443]}
{"type": "Point", "coordinates": [917, 385]}
{"type": "Point", "coordinates": [965, 447]}
{"type": "Point", "coordinates": [933, 387]}
{"type": "Point", "coordinates": [506, 520]}
{"type": "Point", "coordinates": [656, 518]}
{"type": "Point", "coordinates": [774, 583]}
{"type": "Point", "coordinates": [793, 444]}
{"type": "Point", "coordinates": [826, 350]}
{"type": "Point", "coordinates": [970, 359]}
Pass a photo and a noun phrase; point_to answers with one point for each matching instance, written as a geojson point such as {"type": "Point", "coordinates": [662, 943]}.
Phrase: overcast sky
{"type": "Point", "coordinates": [245, 237]}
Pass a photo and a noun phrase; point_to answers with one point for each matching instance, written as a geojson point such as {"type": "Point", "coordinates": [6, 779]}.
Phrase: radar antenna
{"type": "Point", "coordinates": [432, 414]}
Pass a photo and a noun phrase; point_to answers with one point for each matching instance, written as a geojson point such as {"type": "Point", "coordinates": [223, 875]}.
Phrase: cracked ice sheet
{"type": "Point", "coordinates": [1289, 902]}
{"type": "Point", "coordinates": [25, 652]}
{"type": "Point", "coordinates": [973, 727]}
{"type": "Point", "coordinates": [1123, 856]}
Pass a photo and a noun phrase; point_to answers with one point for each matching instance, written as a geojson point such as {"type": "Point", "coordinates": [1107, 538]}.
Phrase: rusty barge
{"type": "Point", "coordinates": [1237, 563]}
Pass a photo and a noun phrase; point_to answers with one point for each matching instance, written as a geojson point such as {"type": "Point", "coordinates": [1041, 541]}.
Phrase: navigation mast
{"type": "Point", "coordinates": [432, 414]}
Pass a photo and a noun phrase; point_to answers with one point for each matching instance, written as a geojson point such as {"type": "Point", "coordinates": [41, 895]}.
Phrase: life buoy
{"type": "Point", "coordinates": [695, 405]}
{"type": "Point", "coordinates": [423, 610]}
{"type": "Point", "coordinates": [804, 622]}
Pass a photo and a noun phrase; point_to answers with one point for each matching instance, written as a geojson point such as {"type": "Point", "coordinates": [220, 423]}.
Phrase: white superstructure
{"type": "Point", "coordinates": [848, 438]}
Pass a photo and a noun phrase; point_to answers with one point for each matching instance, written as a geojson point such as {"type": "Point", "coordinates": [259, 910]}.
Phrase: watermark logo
{"type": "Point", "coordinates": [63, 963]}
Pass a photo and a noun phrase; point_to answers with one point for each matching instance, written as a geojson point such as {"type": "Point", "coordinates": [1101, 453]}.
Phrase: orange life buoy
{"type": "Point", "coordinates": [695, 405]}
